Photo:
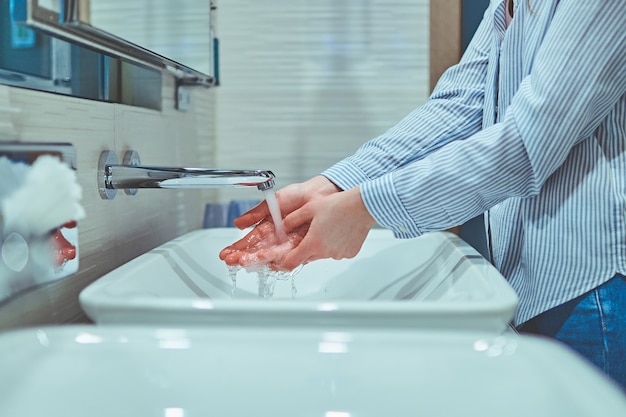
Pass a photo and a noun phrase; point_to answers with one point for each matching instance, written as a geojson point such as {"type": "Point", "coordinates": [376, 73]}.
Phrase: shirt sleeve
{"type": "Point", "coordinates": [578, 76]}
{"type": "Point", "coordinates": [453, 112]}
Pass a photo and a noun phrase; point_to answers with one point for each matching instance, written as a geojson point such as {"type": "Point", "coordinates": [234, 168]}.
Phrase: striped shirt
{"type": "Point", "coordinates": [530, 129]}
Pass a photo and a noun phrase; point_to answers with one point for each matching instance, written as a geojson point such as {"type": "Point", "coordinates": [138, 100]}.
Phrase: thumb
{"type": "Point", "coordinates": [297, 218]}
{"type": "Point", "coordinates": [252, 216]}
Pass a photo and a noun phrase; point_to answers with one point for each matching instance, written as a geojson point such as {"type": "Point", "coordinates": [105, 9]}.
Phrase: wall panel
{"type": "Point", "coordinates": [118, 230]}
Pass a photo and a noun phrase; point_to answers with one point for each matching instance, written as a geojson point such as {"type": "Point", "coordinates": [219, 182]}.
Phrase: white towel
{"type": "Point", "coordinates": [37, 199]}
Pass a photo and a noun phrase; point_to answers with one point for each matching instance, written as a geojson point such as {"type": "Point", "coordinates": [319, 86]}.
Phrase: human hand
{"type": "Point", "coordinates": [261, 246]}
{"type": "Point", "coordinates": [62, 248]}
{"type": "Point", "coordinates": [336, 227]}
{"type": "Point", "coordinates": [289, 199]}
{"type": "Point", "coordinates": [321, 223]}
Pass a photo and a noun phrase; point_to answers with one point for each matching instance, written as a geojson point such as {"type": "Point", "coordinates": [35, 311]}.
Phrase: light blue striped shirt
{"type": "Point", "coordinates": [529, 127]}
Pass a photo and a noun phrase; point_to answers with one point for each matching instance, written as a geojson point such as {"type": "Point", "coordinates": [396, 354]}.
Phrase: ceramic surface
{"type": "Point", "coordinates": [104, 371]}
{"type": "Point", "coordinates": [436, 280]}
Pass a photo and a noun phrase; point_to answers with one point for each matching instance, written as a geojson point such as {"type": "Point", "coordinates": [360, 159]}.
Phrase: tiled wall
{"type": "Point", "coordinates": [305, 83]}
{"type": "Point", "coordinates": [118, 230]}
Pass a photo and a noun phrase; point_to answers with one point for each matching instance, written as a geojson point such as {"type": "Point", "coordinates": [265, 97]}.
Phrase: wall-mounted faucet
{"type": "Point", "coordinates": [130, 176]}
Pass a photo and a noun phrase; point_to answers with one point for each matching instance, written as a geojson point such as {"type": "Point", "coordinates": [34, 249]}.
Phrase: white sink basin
{"type": "Point", "coordinates": [435, 281]}
{"type": "Point", "coordinates": [104, 371]}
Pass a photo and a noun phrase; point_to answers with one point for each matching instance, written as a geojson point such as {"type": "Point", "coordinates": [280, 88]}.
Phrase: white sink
{"type": "Point", "coordinates": [104, 371]}
{"type": "Point", "coordinates": [435, 281]}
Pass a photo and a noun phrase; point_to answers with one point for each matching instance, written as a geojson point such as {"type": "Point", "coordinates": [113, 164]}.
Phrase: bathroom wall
{"type": "Point", "coordinates": [118, 230]}
{"type": "Point", "coordinates": [304, 84]}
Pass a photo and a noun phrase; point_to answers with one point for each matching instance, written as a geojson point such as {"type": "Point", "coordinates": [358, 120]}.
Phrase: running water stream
{"type": "Point", "coordinates": [272, 204]}
{"type": "Point", "coordinates": [265, 276]}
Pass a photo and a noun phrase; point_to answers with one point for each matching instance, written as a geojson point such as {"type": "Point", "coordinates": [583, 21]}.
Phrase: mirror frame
{"type": "Point", "coordinates": [65, 24]}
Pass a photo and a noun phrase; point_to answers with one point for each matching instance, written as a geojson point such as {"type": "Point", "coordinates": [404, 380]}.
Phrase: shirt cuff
{"type": "Point", "coordinates": [384, 204]}
{"type": "Point", "coordinates": [345, 175]}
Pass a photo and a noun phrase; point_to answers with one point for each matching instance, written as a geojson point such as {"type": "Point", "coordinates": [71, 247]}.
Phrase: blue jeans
{"type": "Point", "coordinates": [593, 324]}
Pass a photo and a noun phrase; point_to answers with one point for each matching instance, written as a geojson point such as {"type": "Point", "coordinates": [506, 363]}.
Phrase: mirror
{"type": "Point", "coordinates": [178, 36]}
{"type": "Point", "coordinates": [179, 30]}
{"type": "Point", "coordinates": [35, 249]}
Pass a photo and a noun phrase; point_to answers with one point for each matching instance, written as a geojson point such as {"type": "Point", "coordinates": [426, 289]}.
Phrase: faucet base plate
{"type": "Point", "coordinates": [106, 158]}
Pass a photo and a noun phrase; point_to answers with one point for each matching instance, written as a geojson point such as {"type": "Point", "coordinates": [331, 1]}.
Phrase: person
{"type": "Point", "coordinates": [528, 128]}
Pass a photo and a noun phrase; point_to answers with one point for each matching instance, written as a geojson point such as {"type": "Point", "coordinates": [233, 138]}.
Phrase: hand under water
{"type": "Point", "coordinates": [261, 246]}
{"type": "Point", "coordinates": [321, 221]}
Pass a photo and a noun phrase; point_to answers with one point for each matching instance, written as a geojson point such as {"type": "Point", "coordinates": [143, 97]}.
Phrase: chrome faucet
{"type": "Point", "coordinates": [130, 176]}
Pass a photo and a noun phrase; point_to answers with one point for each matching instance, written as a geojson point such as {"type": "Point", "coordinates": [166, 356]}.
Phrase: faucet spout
{"type": "Point", "coordinates": [131, 176]}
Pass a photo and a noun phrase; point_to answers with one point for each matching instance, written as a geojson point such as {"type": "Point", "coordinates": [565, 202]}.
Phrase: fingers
{"type": "Point", "coordinates": [225, 252]}
{"type": "Point", "coordinates": [263, 232]}
{"type": "Point", "coordinates": [243, 243]}
{"type": "Point", "coordinates": [300, 255]}
{"type": "Point", "coordinates": [231, 258]}
{"type": "Point", "coordinates": [297, 218]}
{"type": "Point", "coordinates": [261, 247]}
{"type": "Point", "coordinates": [252, 216]}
